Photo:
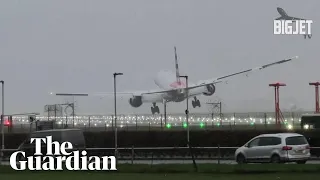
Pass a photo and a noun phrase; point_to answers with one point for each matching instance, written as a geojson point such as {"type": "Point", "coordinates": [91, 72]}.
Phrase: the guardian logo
{"type": "Point", "coordinates": [300, 27]}
{"type": "Point", "coordinates": [55, 160]}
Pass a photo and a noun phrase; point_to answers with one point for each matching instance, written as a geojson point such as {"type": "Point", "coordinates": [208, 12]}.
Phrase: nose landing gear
{"type": "Point", "coordinates": [196, 103]}
{"type": "Point", "coordinates": [155, 109]}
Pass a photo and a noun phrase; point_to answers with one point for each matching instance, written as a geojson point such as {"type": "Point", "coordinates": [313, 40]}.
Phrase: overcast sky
{"type": "Point", "coordinates": [76, 45]}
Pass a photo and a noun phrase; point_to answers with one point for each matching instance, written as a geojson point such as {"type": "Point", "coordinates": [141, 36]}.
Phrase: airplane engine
{"type": "Point", "coordinates": [135, 101]}
{"type": "Point", "coordinates": [211, 89]}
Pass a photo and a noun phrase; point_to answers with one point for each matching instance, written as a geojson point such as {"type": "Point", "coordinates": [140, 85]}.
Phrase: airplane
{"type": "Point", "coordinates": [174, 89]}
{"type": "Point", "coordinates": [284, 16]}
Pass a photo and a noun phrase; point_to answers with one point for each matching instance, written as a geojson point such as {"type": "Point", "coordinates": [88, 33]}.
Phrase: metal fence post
{"type": "Point", "coordinates": [219, 155]}
{"type": "Point", "coordinates": [136, 123]}
{"type": "Point", "coordinates": [112, 121]}
{"type": "Point", "coordinates": [132, 154]}
{"type": "Point", "coordinates": [161, 122]}
{"type": "Point", "coordinates": [89, 122]}
{"type": "Point", "coordinates": [265, 120]}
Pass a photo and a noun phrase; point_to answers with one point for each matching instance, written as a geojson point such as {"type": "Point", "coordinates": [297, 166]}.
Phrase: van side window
{"type": "Point", "coordinates": [74, 137]}
{"type": "Point", "coordinates": [276, 141]}
{"type": "Point", "coordinates": [56, 135]}
{"type": "Point", "coordinates": [270, 141]}
{"type": "Point", "coordinates": [254, 142]}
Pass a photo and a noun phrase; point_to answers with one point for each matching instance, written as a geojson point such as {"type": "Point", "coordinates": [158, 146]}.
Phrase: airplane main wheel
{"type": "Point", "coordinates": [157, 110]}
{"type": "Point", "coordinates": [198, 103]}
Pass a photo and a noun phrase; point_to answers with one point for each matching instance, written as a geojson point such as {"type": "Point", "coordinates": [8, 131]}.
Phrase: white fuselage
{"type": "Point", "coordinates": [166, 80]}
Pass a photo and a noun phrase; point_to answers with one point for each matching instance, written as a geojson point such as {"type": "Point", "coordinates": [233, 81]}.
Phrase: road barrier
{"type": "Point", "coordinates": [167, 153]}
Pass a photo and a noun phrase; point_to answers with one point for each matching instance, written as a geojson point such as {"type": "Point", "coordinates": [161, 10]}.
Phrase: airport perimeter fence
{"type": "Point", "coordinates": [172, 154]}
{"type": "Point", "coordinates": [224, 121]}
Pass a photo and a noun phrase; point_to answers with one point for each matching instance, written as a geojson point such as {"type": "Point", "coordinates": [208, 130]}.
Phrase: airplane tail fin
{"type": "Point", "coordinates": [177, 66]}
{"type": "Point", "coordinates": [282, 12]}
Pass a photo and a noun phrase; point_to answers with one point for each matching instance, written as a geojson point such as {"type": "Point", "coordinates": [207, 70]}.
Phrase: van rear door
{"type": "Point", "coordinates": [297, 145]}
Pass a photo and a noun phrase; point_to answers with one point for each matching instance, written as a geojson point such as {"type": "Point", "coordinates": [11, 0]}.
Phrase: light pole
{"type": "Point", "coordinates": [187, 110]}
{"type": "Point", "coordinates": [115, 114]}
{"type": "Point", "coordinates": [2, 117]}
{"type": "Point", "coordinates": [187, 118]}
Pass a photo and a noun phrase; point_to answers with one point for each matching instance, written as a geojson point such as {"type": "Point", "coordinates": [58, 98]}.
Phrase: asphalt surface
{"type": "Point", "coordinates": [190, 162]}
{"type": "Point", "coordinates": [177, 162]}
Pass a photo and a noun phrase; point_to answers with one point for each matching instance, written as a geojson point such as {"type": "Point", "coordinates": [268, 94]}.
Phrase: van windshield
{"type": "Point", "coordinates": [296, 140]}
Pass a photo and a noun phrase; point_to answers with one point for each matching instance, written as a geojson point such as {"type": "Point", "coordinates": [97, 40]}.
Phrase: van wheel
{"type": "Point", "coordinates": [301, 162]}
{"type": "Point", "coordinates": [275, 159]}
{"type": "Point", "coordinates": [19, 158]}
{"type": "Point", "coordinates": [241, 159]}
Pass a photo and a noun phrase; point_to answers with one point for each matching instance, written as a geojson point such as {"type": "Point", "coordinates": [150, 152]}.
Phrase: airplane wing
{"type": "Point", "coordinates": [202, 83]}
{"type": "Point", "coordinates": [295, 18]}
{"type": "Point", "coordinates": [133, 93]}
{"type": "Point", "coordinates": [289, 18]}
{"type": "Point", "coordinates": [102, 94]}
{"type": "Point", "coordinates": [222, 78]}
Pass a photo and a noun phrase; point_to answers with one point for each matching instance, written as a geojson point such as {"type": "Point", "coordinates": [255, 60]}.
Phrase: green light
{"type": "Point", "coordinates": [201, 125]}
{"type": "Point", "coordinates": [218, 124]}
{"type": "Point", "coordinates": [185, 125]}
{"type": "Point", "coordinates": [168, 126]}
{"type": "Point", "coordinates": [252, 123]}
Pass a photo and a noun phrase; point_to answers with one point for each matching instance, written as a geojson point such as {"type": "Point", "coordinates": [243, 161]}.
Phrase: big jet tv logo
{"type": "Point", "coordinates": [54, 160]}
{"type": "Point", "coordinates": [301, 27]}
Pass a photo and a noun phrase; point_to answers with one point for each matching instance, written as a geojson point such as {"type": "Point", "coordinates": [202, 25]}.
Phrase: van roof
{"type": "Point", "coordinates": [280, 135]}
{"type": "Point", "coordinates": [57, 130]}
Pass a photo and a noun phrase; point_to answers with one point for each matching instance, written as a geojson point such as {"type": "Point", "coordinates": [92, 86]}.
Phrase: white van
{"type": "Point", "coordinates": [74, 136]}
{"type": "Point", "coordinates": [274, 148]}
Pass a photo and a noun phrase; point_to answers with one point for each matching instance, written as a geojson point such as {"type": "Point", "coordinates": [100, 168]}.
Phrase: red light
{"type": "Point", "coordinates": [286, 148]}
{"type": "Point", "coordinates": [7, 122]}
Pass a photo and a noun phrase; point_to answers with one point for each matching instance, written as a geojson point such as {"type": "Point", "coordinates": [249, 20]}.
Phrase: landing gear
{"type": "Point", "coordinates": [155, 109]}
{"type": "Point", "coordinates": [196, 102]}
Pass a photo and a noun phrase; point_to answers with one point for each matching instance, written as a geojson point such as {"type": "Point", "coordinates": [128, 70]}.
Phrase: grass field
{"type": "Point", "coordinates": [143, 176]}
{"type": "Point", "coordinates": [176, 172]}
{"type": "Point", "coordinates": [201, 168]}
